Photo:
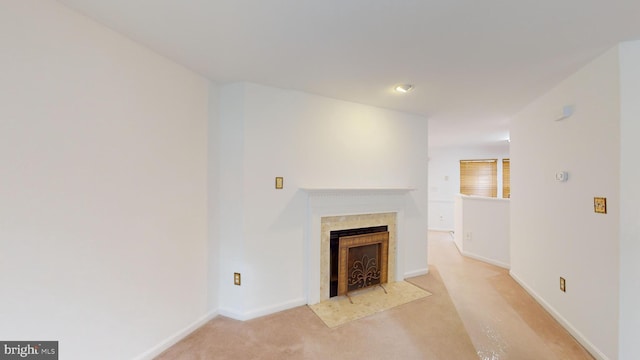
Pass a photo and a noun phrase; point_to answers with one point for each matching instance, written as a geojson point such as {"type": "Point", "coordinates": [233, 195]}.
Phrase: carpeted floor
{"type": "Point", "coordinates": [503, 321]}
{"type": "Point", "coordinates": [481, 313]}
{"type": "Point", "coordinates": [427, 328]}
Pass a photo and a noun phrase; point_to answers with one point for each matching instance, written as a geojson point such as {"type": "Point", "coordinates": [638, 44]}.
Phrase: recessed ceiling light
{"type": "Point", "coordinates": [404, 88]}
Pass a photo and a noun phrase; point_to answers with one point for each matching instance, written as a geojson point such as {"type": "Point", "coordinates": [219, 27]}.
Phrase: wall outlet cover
{"type": "Point", "coordinates": [600, 205]}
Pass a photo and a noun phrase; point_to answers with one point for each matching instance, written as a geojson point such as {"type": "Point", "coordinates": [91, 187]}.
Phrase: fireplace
{"type": "Point", "coordinates": [342, 209]}
{"type": "Point", "coordinates": [344, 226]}
{"type": "Point", "coordinates": [358, 259]}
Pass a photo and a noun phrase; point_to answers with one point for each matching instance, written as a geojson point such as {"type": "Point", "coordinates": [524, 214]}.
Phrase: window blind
{"type": "Point", "coordinates": [479, 177]}
{"type": "Point", "coordinates": [506, 178]}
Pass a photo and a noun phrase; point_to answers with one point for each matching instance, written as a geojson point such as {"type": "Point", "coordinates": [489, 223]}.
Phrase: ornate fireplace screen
{"type": "Point", "coordinates": [362, 261]}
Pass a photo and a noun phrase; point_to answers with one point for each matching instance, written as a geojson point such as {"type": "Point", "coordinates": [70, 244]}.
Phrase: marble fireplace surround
{"type": "Point", "coordinates": [338, 209]}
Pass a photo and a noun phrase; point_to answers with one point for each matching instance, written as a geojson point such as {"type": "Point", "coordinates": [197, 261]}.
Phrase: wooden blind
{"type": "Point", "coordinates": [479, 177]}
{"type": "Point", "coordinates": [506, 178]}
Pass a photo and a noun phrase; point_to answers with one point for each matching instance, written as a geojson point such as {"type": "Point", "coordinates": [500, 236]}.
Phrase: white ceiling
{"type": "Point", "coordinates": [474, 63]}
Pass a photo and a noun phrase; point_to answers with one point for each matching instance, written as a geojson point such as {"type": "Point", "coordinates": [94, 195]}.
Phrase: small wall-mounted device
{"type": "Point", "coordinates": [562, 176]}
{"type": "Point", "coordinates": [236, 279]}
{"type": "Point", "coordinates": [563, 285]}
{"type": "Point", "coordinates": [279, 182]}
{"type": "Point", "coordinates": [567, 111]}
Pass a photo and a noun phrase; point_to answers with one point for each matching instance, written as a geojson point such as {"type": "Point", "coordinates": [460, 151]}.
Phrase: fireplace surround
{"type": "Point", "coordinates": [336, 209]}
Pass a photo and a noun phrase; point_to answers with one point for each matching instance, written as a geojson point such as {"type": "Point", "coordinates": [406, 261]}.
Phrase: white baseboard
{"type": "Point", "coordinates": [458, 247]}
{"type": "Point", "coordinates": [173, 339]}
{"type": "Point", "coordinates": [595, 352]}
{"type": "Point", "coordinates": [487, 260]}
{"type": "Point", "coordinates": [416, 273]}
{"type": "Point", "coordinates": [232, 314]}
{"type": "Point", "coordinates": [252, 314]}
{"type": "Point", "coordinates": [256, 313]}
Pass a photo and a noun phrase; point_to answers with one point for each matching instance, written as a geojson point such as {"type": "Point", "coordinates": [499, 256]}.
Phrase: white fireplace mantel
{"type": "Point", "coordinates": [323, 202]}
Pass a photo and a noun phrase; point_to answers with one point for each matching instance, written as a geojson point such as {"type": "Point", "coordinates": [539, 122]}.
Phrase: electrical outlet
{"type": "Point", "coordinates": [600, 205]}
{"type": "Point", "coordinates": [563, 285]}
{"type": "Point", "coordinates": [236, 279]}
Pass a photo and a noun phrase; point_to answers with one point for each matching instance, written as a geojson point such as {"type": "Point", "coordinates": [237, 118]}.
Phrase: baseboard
{"type": "Point", "coordinates": [414, 273]}
{"type": "Point", "coordinates": [256, 313]}
{"type": "Point", "coordinates": [173, 339]}
{"type": "Point", "coordinates": [595, 352]}
{"type": "Point", "coordinates": [458, 247]}
{"type": "Point", "coordinates": [487, 260]}
{"type": "Point", "coordinates": [232, 314]}
{"type": "Point", "coordinates": [275, 308]}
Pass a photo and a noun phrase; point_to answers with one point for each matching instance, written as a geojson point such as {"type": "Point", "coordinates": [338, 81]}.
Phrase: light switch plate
{"type": "Point", "coordinates": [279, 182]}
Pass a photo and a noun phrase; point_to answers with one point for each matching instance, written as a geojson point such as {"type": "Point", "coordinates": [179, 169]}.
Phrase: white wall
{"type": "Point", "coordinates": [312, 142]}
{"type": "Point", "coordinates": [213, 197]}
{"type": "Point", "coordinates": [629, 200]}
{"type": "Point", "coordinates": [554, 230]}
{"type": "Point", "coordinates": [231, 198]}
{"type": "Point", "coordinates": [458, 220]}
{"type": "Point", "coordinates": [482, 229]}
{"type": "Point", "coordinates": [444, 178]}
{"type": "Point", "coordinates": [103, 212]}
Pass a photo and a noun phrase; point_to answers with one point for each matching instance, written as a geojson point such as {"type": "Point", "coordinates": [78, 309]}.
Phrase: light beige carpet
{"type": "Point", "coordinates": [427, 328]}
{"type": "Point", "coordinates": [339, 310]}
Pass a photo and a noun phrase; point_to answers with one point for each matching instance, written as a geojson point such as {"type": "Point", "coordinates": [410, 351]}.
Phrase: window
{"type": "Point", "coordinates": [479, 177]}
{"type": "Point", "coordinates": [506, 178]}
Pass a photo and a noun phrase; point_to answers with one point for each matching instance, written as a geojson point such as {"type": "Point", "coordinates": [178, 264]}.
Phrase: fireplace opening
{"type": "Point", "coordinates": [358, 259]}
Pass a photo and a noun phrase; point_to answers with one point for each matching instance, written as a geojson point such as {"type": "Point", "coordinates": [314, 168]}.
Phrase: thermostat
{"type": "Point", "coordinates": [562, 176]}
